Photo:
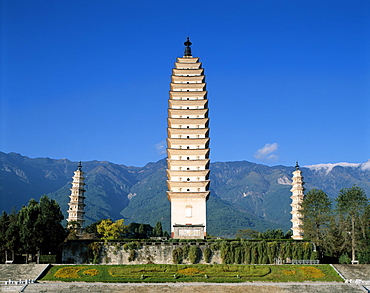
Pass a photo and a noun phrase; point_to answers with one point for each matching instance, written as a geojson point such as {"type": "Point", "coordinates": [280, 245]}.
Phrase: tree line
{"type": "Point", "coordinates": [34, 230]}
{"type": "Point", "coordinates": [341, 228]}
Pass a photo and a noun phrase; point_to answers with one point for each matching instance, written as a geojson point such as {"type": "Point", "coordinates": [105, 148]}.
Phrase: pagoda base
{"type": "Point", "coordinates": [188, 232]}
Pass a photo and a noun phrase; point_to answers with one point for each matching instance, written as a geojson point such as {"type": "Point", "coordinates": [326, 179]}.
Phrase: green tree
{"type": "Point", "coordinates": [316, 216]}
{"type": "Point", "coordinates": [142, 232]}
{"type": "Point", "coordinates": [29, 230]}
{"type": "Point", "coordinates": [12, 235]}
{"type": "Point", "coordinates": [351, 206]}
{"type": "Point", "coordinates": [4, 224]}
{"type": "Point", "coordinates": [158, 231]}
{"type": "Point", "coordinates": [40, 228]}
{"type": "Point", "coordinates": [247, 234]}
{"type": "Point", "coordinates": [50, 223]}
{"type": "Point", "coordinates": [110, 230]}
{"type": "Point", "coordinates": [364, 248]}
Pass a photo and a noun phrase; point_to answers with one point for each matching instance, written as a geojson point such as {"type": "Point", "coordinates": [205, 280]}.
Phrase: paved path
{"type": "Point", "coordinates": [20, 271]}
{"type": "Point", "coordinates": [311, 287]}
{"type": "Point", "coordinates": [354, 271]}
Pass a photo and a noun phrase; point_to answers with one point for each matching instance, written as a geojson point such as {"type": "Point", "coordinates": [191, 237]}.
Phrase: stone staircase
{"type": "Point", "coordinates": [15, 277]}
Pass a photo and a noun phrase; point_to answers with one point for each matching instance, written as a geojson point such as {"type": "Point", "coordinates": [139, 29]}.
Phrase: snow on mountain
{"type": "Point", "coordinates": [328, 167]}
{"type": "Point", "coordinates": [365, 166]}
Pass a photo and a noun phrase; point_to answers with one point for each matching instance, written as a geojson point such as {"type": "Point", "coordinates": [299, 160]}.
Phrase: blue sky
{"type": "Point", "coordinates": [86, 80]}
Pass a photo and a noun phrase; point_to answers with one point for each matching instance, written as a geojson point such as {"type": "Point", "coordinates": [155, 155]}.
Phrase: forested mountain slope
{"type": "Point", "coordinates": [243, 194]}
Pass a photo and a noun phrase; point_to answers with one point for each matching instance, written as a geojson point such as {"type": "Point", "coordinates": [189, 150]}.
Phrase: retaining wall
{"type": "Point", "coordinates": [114, 253]}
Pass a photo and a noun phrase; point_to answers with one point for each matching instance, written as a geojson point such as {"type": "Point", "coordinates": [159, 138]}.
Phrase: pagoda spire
{"type": "Point", "coordinates": [187, 51]}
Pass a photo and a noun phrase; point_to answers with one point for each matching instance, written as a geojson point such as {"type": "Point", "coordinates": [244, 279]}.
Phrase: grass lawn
{"type": "Point", "coordinates": [191, 273]}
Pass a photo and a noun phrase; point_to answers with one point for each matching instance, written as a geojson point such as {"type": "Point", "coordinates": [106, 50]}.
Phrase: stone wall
{"type": "Point", "coordinates": [114, 253]}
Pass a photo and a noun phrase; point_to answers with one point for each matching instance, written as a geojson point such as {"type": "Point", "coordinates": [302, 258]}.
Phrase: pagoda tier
{"type": "Point", "coordinates": [297, 198]}
{"type": "Point", "coordinates": [188, 148]}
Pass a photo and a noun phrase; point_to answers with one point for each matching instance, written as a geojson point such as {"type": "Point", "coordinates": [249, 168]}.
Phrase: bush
{"type": "Point", "coordinates": [194, 254]}
{"type": "Point", "coordinates": [185, 251]}
{"type": "Point", "coordinates": [177, 255]}
{"type": "Point", "coordinates": [207, 255]}
{"type": "Point", "coordinates": [48, 258]}
{"type": "Point", "coordinates": [132, 245]}
{"type": "Point", "coordinates": [364, 256]}
{"type": "Point", "coordinates": [132, 255]}
{"type": "Point", "coordinates": [344, 259]}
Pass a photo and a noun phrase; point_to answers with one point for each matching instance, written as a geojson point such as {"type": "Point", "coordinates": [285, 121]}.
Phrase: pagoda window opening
{"type": "Point", "coordinates": [188, 179]}
{"type": "Point", "coordinates": [187, 189]}
{"type": "Point", "coordinates": [188, 211]}
{"type": "Point", "coordinates": [188, 158]}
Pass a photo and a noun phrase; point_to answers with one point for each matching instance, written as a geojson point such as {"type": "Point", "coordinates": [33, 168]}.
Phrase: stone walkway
{"type": "Point", "coordinates": [20, 271]}
{"type": "Point", "coordinates": [314, 287]}
{"type": "Point", "coordinates": [354, 271]}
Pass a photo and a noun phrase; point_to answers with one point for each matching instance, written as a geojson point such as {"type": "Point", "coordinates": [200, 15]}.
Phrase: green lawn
{"type": "Point", "coordinates": [191, 273]}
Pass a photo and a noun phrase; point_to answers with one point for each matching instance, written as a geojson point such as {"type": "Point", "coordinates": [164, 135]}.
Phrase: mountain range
{"type": "Point", "coordinates": [244, 195]}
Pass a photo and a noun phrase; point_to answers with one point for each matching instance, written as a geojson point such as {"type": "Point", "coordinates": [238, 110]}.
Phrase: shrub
{"type": "Point", "coordinates": [364, 256]}
{"type": "Point", "coordinates": [185, 251]}
{"type": "Point", "coordinates": [177, 255]}
{"type": "Point", "coordinates": [48, 258]}
{"type": "Point", "coordinates": [132, 245]}
{"type": "Point", "coordinates": [215, 246]}
{"type": "Point", "coordinates": [344, 259]}
{"type": "Point", "coordinates": [314, 255]}
{"type": "Point", "coordinates": [132, 255]}
{"type": "Point", "coordinates": [93, 250]}
{"type": "Point", "coordinates": [207, 255]}
{"type": "Point", "coordinates": [194, 254]}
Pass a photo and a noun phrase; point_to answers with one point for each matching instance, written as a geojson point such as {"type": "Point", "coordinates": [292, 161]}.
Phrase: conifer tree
{"type": "Point", "coordinates": [351, 206]}
{"type": "Point", "coordinates": [317, 214]}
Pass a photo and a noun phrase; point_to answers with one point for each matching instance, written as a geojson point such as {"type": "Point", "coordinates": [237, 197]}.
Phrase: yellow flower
{"type": "Point", "coordinates": [68, 272]}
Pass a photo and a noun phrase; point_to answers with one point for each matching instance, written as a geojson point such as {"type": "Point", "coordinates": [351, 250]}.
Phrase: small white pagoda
{"type": "Point", "coordinates": [76, 204]}
{"type": "Point", "coordinates": [297, 198]}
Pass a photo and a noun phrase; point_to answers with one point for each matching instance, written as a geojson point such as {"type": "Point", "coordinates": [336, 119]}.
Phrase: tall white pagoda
{"type": "Point", "coordinates": [188, 148]}
{"type": "Point", "coordinates": [297, 198]}
{"type": "Point", "coordinates": [76, 204]}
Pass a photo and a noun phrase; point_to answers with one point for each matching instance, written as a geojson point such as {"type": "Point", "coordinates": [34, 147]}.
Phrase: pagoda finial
{"type": "Point", "coordinates": [296, 165]}
{"type": "Point", "coordinates": [187, 51]}
{"type": "Point", "coordinates": [79, 165]}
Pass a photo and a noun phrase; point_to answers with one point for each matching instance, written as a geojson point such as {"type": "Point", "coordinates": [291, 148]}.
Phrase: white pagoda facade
{"type": "Point", "coordinates": [297, 198]}
{"type": "Point", "coordinates": [188, 148]}
{"type": "Point", "coordinates": [76, 209]}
